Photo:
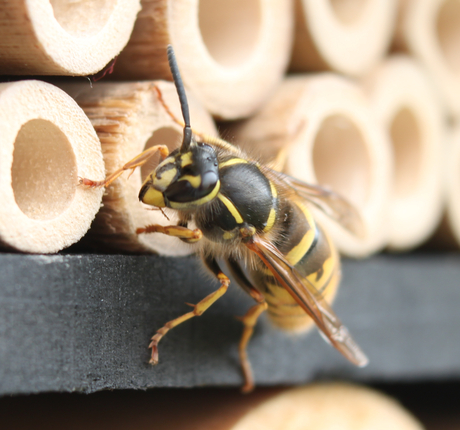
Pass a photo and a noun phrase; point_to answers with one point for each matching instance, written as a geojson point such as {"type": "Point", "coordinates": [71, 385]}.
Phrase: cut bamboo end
{"type": "Point", "coordinates": [322, 130]}
{"type": "Point", "coordinates": [405, 102]}
{"type": "Point", "coordinates": [344, 36]}
{"type": "Point", "coordinates": [429, 30]}
{"type": "Point", "coordinates": [231, 53]}
{"type": "Point", "coordinates": [129, 118]}
{"type": "Point", "coordinates": [63, 37]}
{"type": "Point", "coordinates": [46, 143]}
{"type": "Point", "coordinates": [327, 407]}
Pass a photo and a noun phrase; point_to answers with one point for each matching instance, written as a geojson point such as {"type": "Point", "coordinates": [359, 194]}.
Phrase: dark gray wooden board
{"type": "Point", "coordinates": [83, 323]}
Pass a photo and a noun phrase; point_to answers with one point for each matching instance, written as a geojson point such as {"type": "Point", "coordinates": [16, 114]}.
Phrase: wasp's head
{"type": "Point", "coordinates": [184, 180]}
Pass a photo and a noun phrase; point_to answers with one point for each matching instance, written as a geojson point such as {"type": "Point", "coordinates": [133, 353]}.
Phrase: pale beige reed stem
{"type": "Point", "coordinates": [129, 118]}
{"type": "Point", "coordinates": [429, 30]}
{"type": "Point", "coordinates": [319, 128]}
{"type": "Point", "coordinates": [46, 143]}
{"type": "Point", "coordinates": [347, 36]}
{"type": "Point", "coordinates": [406, 103]}
{"type": "Point", "coordinates": [59, 37]}
{"type": "Point", "coordinates": [231, 53]}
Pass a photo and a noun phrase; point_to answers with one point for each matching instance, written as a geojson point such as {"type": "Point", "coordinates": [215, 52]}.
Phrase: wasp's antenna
{"type": "Point", "coordinates": [187, 139]}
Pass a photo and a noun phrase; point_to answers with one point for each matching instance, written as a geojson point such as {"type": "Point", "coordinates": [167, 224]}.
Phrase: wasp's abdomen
{"type": "Point", "coordinates": [307, 247]}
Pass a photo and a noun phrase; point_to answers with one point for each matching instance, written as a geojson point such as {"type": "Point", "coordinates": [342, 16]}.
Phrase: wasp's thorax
{"type": "Point", "coordinates": [184, 180]}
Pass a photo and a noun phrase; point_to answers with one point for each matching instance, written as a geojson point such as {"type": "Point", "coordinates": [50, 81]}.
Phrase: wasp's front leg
{"type": "Point", "coordinates": [137, 161]}
{"type": "Point", "coordinates": [184, 233]}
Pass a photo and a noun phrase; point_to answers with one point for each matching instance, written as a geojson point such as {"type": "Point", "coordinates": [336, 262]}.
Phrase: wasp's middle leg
{"type": "Point", "coordinates": [198, 309]}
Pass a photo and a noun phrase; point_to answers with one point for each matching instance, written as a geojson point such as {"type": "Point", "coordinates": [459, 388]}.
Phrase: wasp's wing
{"type": "Point", "coordinates": [308, 297]}
{"type": "Point", "coordinates": [331, 203]}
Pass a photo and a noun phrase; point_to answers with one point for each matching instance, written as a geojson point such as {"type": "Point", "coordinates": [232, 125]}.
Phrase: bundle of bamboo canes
{"type": "Point", "coordinates": [232, 57]}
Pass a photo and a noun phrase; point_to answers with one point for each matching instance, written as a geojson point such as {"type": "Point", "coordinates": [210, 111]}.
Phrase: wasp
{"type": "Point", "coordinates": [255, 220]}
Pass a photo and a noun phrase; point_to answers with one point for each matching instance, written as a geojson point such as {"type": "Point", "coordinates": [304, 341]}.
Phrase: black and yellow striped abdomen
{"type": "Point", "coordinates": [308, 248]}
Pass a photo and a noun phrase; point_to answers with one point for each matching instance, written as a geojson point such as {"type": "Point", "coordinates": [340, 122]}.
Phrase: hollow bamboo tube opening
{"type": "Point", "coordinates": [63, 37]}
{"type": "Point", "coordinates": [406, 104]}
{"type": "Point", "coordinates": [348, 11]}
{"type": "Point", "coordinates": [341, 159]}
{"type": "Point", "coordinates": [44, 171]}
{"type": "Point", "coordinates": [345, 36]}
{"type": "Point", "coordinates": [429, 31]}
{"type": "Point", "coordinates": [448, 33]}
{"type": "Point", "coordinates": [231, 54]}
{"type": "Point", "coordinates": [230, 29]}
{"type": "Point", "coordinates": [46, 144]}
{"type": "Point", "coordinates": [129, 118]}
{"type": "Point", "coordinates": [406, 143]}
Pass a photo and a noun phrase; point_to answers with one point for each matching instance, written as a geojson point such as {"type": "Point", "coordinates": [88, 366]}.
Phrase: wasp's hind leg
{"type": "Point", "coordinates": [137, 161]}
{"type": "Point", "coordinates": [249, 320]}
{"type": "Point", "coordinates": [198, 309]}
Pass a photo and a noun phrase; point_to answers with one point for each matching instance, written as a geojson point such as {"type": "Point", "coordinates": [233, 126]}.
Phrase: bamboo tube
{"type": "Point", "coordinates": [320, 128]}
{"type": "Point", "coordinates": [406, 103]}
{"type": "Point", "coordinates": [46, 143]}
{"type": "Point", "coordinates": [429, 30]}
{"type": "Point", "coordinates": [58, 37]}
{"type": "Point", "coordinates": [326, 406]}
{"type": "Point", "coordinates": [345, 36]}
{"type": "Point", "coordinates": [231, 53]}
{"type": "Point", "coordinates": [129, 118]}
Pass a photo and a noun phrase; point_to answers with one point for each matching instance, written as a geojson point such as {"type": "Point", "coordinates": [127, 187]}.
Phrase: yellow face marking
{"type": "Point", "coordinates": [186, 159]}
{"type": "Point", "coordinates": [231, 162]}
{"type": "Point", "coordinates": [296, 253]}
{"type": "Point", "coordinates": [165, 180]}
{"type": "Point", "coordinates": [199, 202]}
{"type": "Point", "coordinates": [154, 197]}
{"type": "Point", "coordinates": [194, 180]}
{"type": "Point", "coordinates": [231, 208]}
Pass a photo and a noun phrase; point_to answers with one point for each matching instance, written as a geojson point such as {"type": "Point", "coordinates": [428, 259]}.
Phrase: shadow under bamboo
{"type": "Point", "coordinates": [46, 143]}
{"type": "Point", "coordinates": [129, 118]}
